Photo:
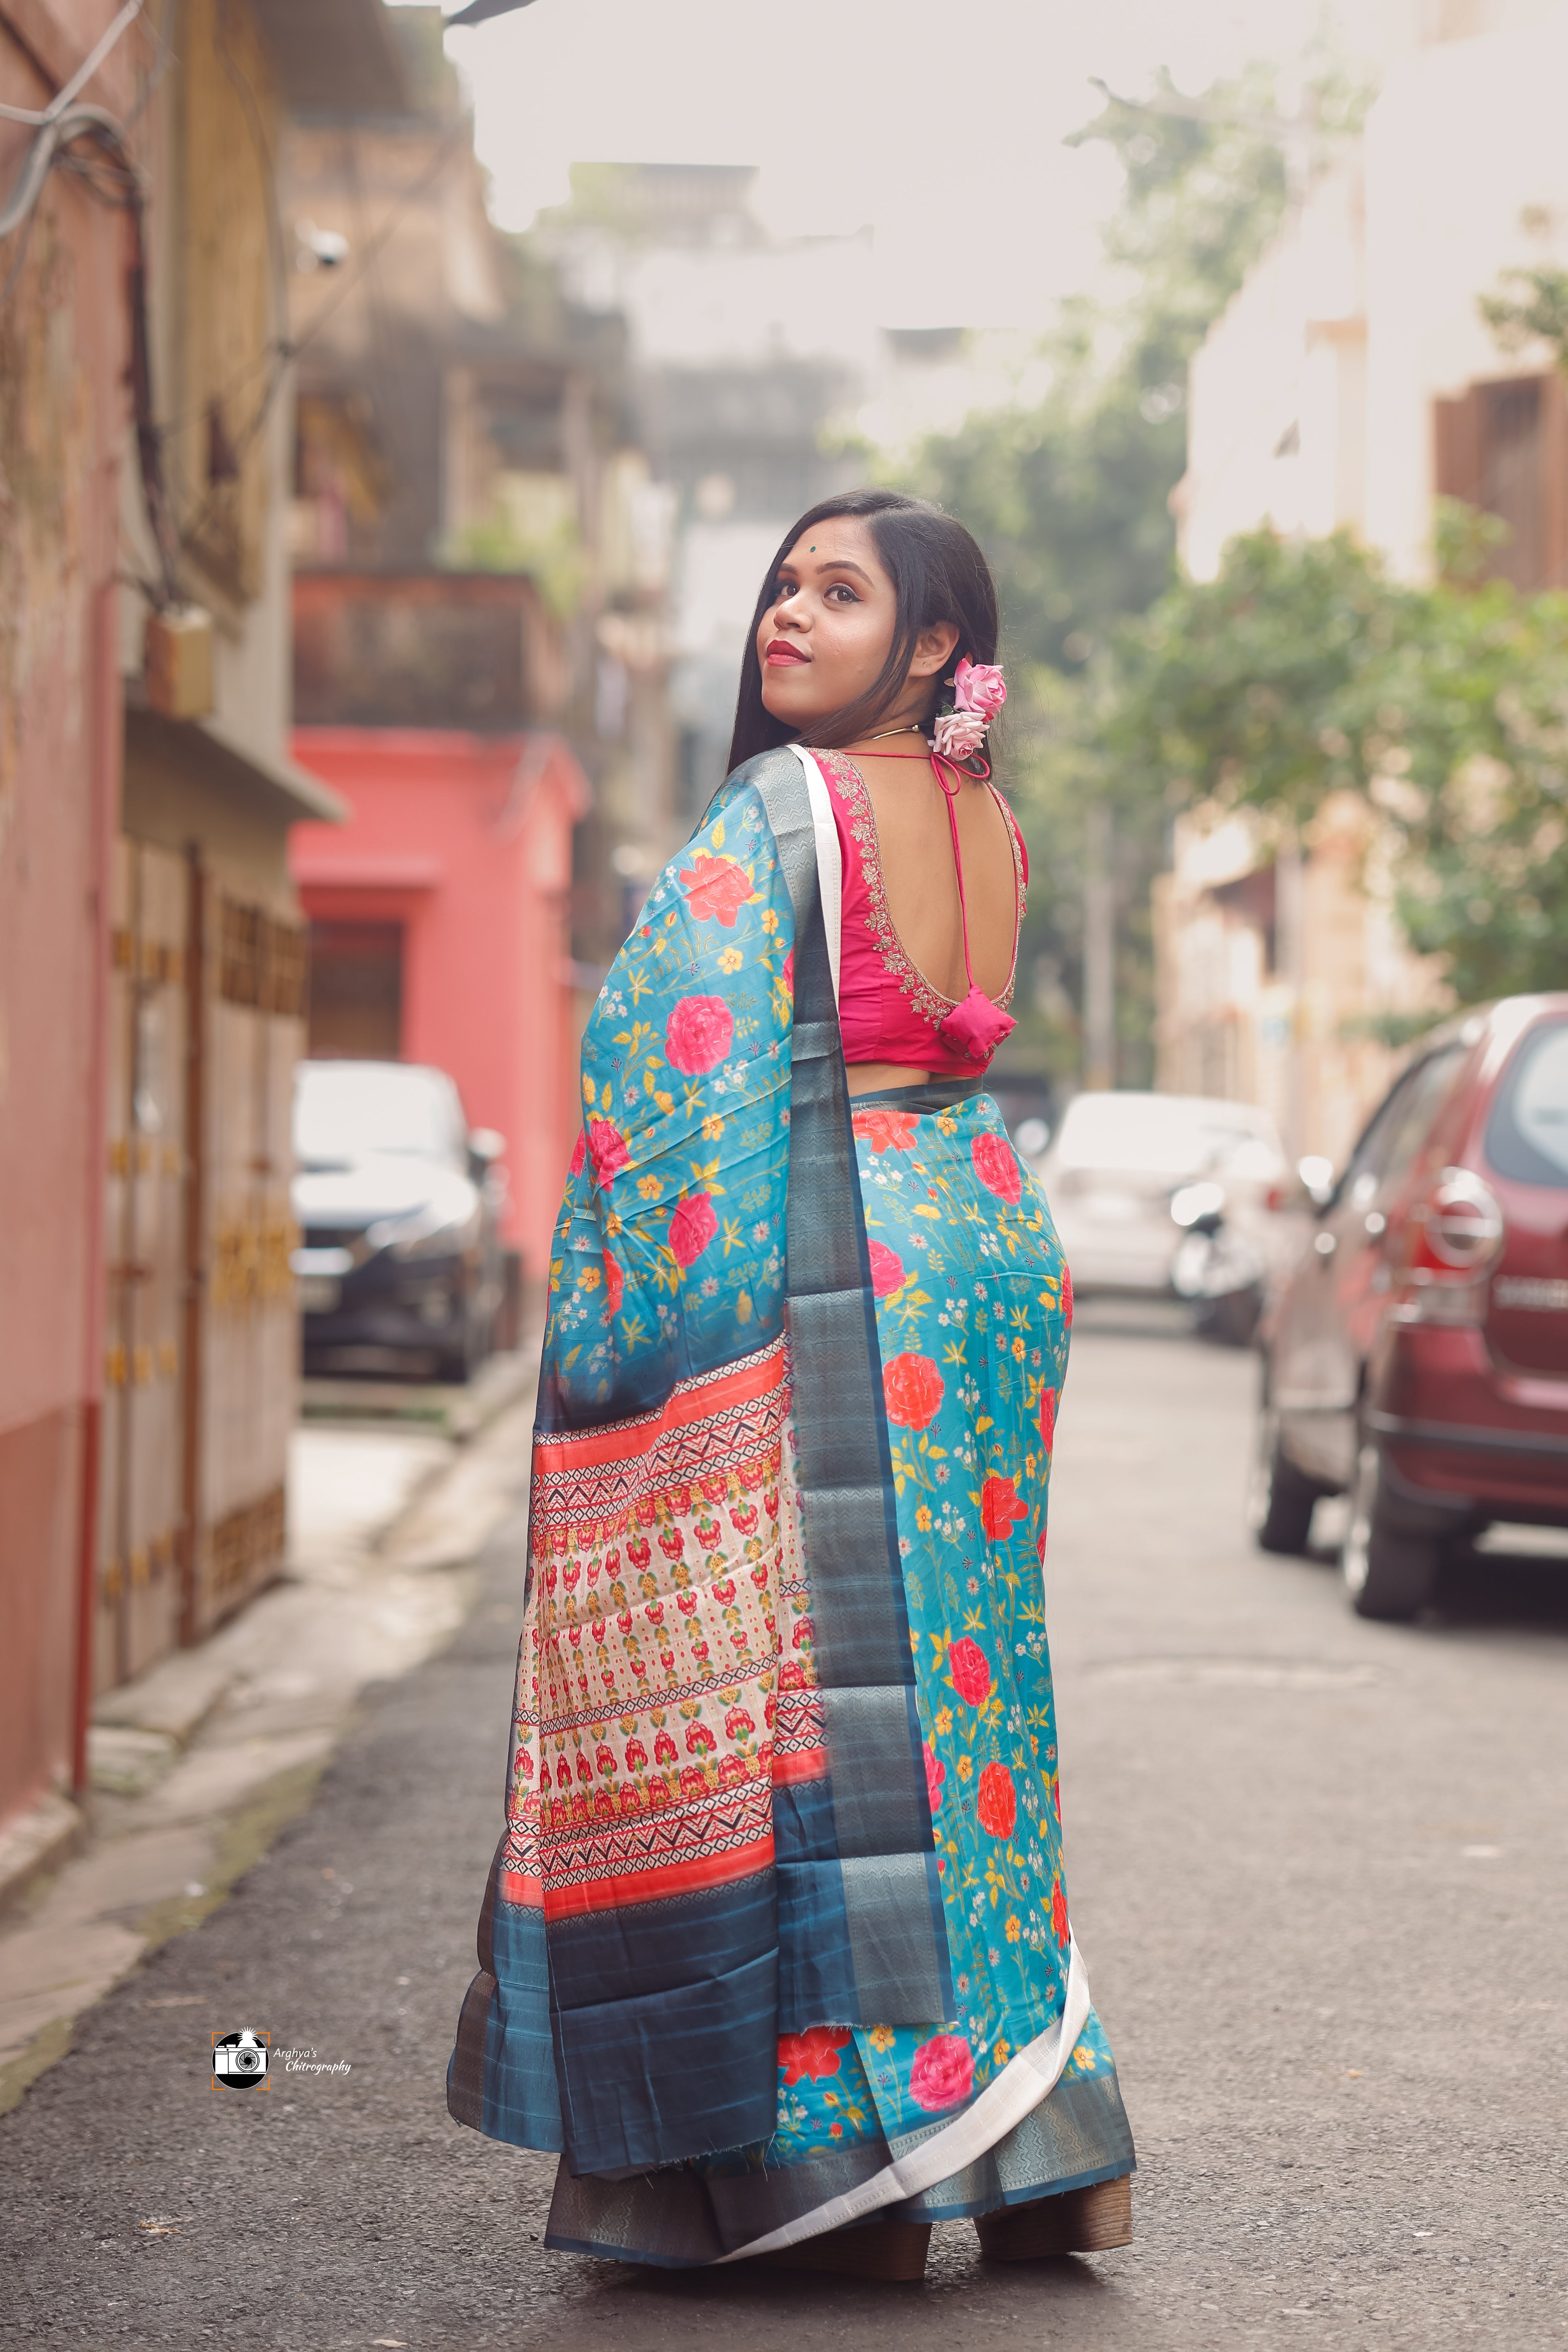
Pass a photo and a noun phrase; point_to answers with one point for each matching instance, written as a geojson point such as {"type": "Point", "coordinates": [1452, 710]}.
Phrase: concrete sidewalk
{"type": "Point", "coordinates": [197, 1766]}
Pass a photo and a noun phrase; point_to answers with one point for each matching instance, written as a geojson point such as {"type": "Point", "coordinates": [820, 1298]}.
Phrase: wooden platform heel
{"type": "Point", "coordinates": [873, 2250]}
{"type": "Point", "coordinates": [1079, 2221]}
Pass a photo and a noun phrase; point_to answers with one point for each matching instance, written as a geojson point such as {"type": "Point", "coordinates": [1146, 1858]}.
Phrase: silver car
{"type": "Point", "coordinates": [1169, 1196]}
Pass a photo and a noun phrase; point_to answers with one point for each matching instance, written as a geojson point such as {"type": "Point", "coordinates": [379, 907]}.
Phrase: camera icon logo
{"type": "Point", "coordinates": [239, 2059]}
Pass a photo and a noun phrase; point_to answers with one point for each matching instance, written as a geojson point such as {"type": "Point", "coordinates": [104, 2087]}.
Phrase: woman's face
{"type": "Point", "coordinates": [827, 631]}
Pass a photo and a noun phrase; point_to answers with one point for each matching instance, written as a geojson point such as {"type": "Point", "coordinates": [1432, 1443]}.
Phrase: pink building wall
{"type": "Point", "coordinates": [63, 336]}
{"type": "Point", "coordinates": [466, 840]}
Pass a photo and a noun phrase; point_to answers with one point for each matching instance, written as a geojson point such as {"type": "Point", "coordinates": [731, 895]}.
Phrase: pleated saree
{"type": "Point", "coordinates": [776, 1937]}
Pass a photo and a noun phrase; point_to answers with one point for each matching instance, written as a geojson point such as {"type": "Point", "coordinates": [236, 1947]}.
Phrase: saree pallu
{"type": "Point", "coordinates": [776, 1937]}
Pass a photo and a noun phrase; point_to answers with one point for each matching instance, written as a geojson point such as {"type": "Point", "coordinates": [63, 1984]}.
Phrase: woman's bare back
{"type": "Point", "coordinates": [921, 883]}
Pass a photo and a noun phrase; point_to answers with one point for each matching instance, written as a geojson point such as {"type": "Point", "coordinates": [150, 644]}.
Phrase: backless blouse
{"type": "Point", "coordinates": [887, 1010]}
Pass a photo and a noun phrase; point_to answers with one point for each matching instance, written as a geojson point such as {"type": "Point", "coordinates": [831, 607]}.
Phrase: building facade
{"type": "Point", "coordinates": [460, 414]}
{"type": "Point", "coordinates": [1351, 383]}
{"type": "Point", "coordinates": [150, 945]}
{"type": "Point", "coordinates": [440, 910]}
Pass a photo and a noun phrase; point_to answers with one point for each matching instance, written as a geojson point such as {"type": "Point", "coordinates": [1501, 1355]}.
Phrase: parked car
{"type": "Point", "coordinates": [398, 1202]}
{"type": "Point", "coordinates": [1417, 1357]}
{"type": "Point", "coordinates": [1169, 1196]}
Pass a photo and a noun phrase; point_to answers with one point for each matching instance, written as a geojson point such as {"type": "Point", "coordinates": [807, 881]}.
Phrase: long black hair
{"type": "Point", "coordinates": [938, 574]}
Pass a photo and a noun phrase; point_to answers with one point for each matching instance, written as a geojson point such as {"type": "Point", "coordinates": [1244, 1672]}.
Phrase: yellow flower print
{"type": "Point", "coordinates": [881, 2037]}
{"type": "Point", "coordinates": [1084, 2056]}
{"type": "Point", "coordinates": [589, 1279]}
{"type": "Point", "coordinates": [732, 959]}
{"type": "Point", "coordinates": [712, 1127]}
{"type": "Point", "coordinates": [1014, 1931]}
{"type": "Point", "coordinates": [966, 1767]}
{"type": "Point", "coordinates": [944, 1720]}
{"type": "Point", "coordinates": [1001, 2055]}
{"type": "Point", "coordinates": [770, 920]}
{"type": "Point", "coordinates": [1017, 1352]}
{"type": "Point", "coordinates": [922, 1519]}
{"type": "Point", "coordinates": [648, 1186]}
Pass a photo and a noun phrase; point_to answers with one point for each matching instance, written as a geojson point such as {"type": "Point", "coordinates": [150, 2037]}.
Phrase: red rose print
{"type": "Point", "coordinates": [936, 1773]}
{"type": "Point", "coordinates": [814, 2054]}
{"type": "Point", "coordinates": [789, 971]}
{"type": "Point", "coordinates": [1060, 1913]}
{"type": "Point", "coordinates": [886, 1269]}
{"type": "Point", "coordinates": [1066, 1293]}
{"type": "Point", "coordinates": [886, 1131]}
{"type": "Point", "coordinates": [942, 2074]}
{"type": "Point", "coordinates": [692, 1227]}
{"type": "Point", "coordinates": [1040, 1549]}
{"type": "Point", "coordinates": [1001, 1509]}
{"type": "Point", "coordinates": [615, 1285]}
{"type": "Point", "coordinates": [971, 1670]}
{"type": "Point", "coordinates": [698, 1034]}
{"type": "Point", "coordinates": [717, 889]}
{"type": "Point", "coordinates": [1047, 1418]}
{"type": "Point", "coordinates": [995, 1800]}
{"type": "Point", "coordinates": [606, 1149]}
{"type": "Point", "coordinates": [997, 1168]}
{"type": "Point", "coordinates": [913, 1390]}
{"type": "Point", "coordinates": [579, 1153]}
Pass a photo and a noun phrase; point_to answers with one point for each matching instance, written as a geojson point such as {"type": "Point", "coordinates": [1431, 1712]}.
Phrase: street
{"type": "Point", "coordinates": [1317, 1874]}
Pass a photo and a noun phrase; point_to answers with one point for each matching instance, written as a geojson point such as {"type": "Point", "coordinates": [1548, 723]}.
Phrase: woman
{"type": "Point", "coordinates": [775, 1951]}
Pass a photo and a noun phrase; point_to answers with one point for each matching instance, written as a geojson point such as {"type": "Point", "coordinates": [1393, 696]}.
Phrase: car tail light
{"type": "Point", "coordinates": [1456, 1238]}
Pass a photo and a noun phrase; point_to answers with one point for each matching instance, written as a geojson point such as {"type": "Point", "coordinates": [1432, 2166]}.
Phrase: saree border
{"type": "Point", "coordinates": [1028, 2077]}
{"type": "Point", "coordinates": [877, 1931]}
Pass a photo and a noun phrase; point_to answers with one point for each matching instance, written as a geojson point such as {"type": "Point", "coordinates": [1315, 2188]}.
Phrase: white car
{"type": "Point", "coordinates": [1119, 1162]}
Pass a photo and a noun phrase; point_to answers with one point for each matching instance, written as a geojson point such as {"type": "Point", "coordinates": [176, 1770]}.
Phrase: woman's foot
{"type": "Point", "coordinates": [1079, 2221]}
{"type": "Point", "coordinates": [879, 2250]}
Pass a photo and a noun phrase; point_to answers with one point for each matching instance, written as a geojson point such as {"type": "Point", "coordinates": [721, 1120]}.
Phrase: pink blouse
{"type": "Point", "coordinates": [887, 1010]}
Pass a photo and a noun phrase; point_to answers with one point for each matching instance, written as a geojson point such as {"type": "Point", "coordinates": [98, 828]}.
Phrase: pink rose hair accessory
{"type": "Point", "coordinates": [979, 686]}
{"type": "Point", "coordinates": [979, 690]}
{"type": "Point", "coordinates": [959, 734]}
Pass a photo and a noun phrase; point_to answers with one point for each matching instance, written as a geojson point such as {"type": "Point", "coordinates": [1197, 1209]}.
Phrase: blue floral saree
{"type": "Point", "coordinates": [777, 1937]}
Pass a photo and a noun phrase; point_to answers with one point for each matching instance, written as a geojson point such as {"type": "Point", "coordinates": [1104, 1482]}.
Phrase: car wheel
{"type": "Point", "coordinates": [1389, 1572]}
{"type": "Point", "coordinates": [1279, 1498]}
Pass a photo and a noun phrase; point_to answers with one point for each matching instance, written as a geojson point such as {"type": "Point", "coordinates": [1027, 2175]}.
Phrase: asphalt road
{"type": "Point", "coordinates": [1316, 1870]}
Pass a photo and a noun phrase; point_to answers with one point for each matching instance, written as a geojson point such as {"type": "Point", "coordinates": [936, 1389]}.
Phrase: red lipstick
{"type": "Point", "coordinates": [781, 652]}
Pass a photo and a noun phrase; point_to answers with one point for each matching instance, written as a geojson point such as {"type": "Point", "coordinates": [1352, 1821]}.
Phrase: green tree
{"type": "Point", "coordinates": [1072, 499]}
{"type": "Point", "coordinates": [1302, 670]}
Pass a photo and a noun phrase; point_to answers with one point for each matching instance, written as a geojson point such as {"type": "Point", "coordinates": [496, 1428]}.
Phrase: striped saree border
{"type": "Point", "coordinates": [1028, 2077]}
{"type": "Point", "coordinates": [879, 1936]}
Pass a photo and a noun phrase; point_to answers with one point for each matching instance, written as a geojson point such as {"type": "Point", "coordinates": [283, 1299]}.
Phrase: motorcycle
{"type": "Point", "coordinates": [1216, 1269]}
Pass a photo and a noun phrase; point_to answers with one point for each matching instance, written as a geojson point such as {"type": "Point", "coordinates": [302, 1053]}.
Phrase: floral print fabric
{"type": "Point", "coordinates": [974, 1315]}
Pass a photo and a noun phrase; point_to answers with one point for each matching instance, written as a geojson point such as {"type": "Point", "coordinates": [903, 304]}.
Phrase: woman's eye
{"type": "Point", "coordinates": [783, 589]}
{"type": "Point", "coordinates": [842, 588]}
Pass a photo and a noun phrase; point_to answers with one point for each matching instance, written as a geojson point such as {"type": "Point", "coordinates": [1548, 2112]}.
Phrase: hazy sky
{"type": "Point", "coordinates": [939, 126]}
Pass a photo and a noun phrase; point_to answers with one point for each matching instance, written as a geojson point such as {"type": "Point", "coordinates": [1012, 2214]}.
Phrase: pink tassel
{"type": "Point", "coordinates": [976, 1027]}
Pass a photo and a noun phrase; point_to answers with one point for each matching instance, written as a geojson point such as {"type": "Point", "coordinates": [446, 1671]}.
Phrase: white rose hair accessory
{"type": "Point", "coordinates": [979, 691]}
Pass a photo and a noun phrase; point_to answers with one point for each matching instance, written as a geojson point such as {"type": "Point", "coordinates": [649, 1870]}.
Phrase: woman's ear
{"type": "Point", "coordinates": [933, 649]}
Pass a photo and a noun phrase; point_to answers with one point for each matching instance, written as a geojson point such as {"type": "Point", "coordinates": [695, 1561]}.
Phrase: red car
{"type": "Point", "coordinates": [1417, 1356]}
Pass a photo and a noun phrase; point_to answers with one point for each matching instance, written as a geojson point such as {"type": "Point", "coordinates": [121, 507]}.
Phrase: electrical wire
{"type": "Point", "coordinates": [82, 76]}
{"type": "Point", "coordinates": [61, 125]}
